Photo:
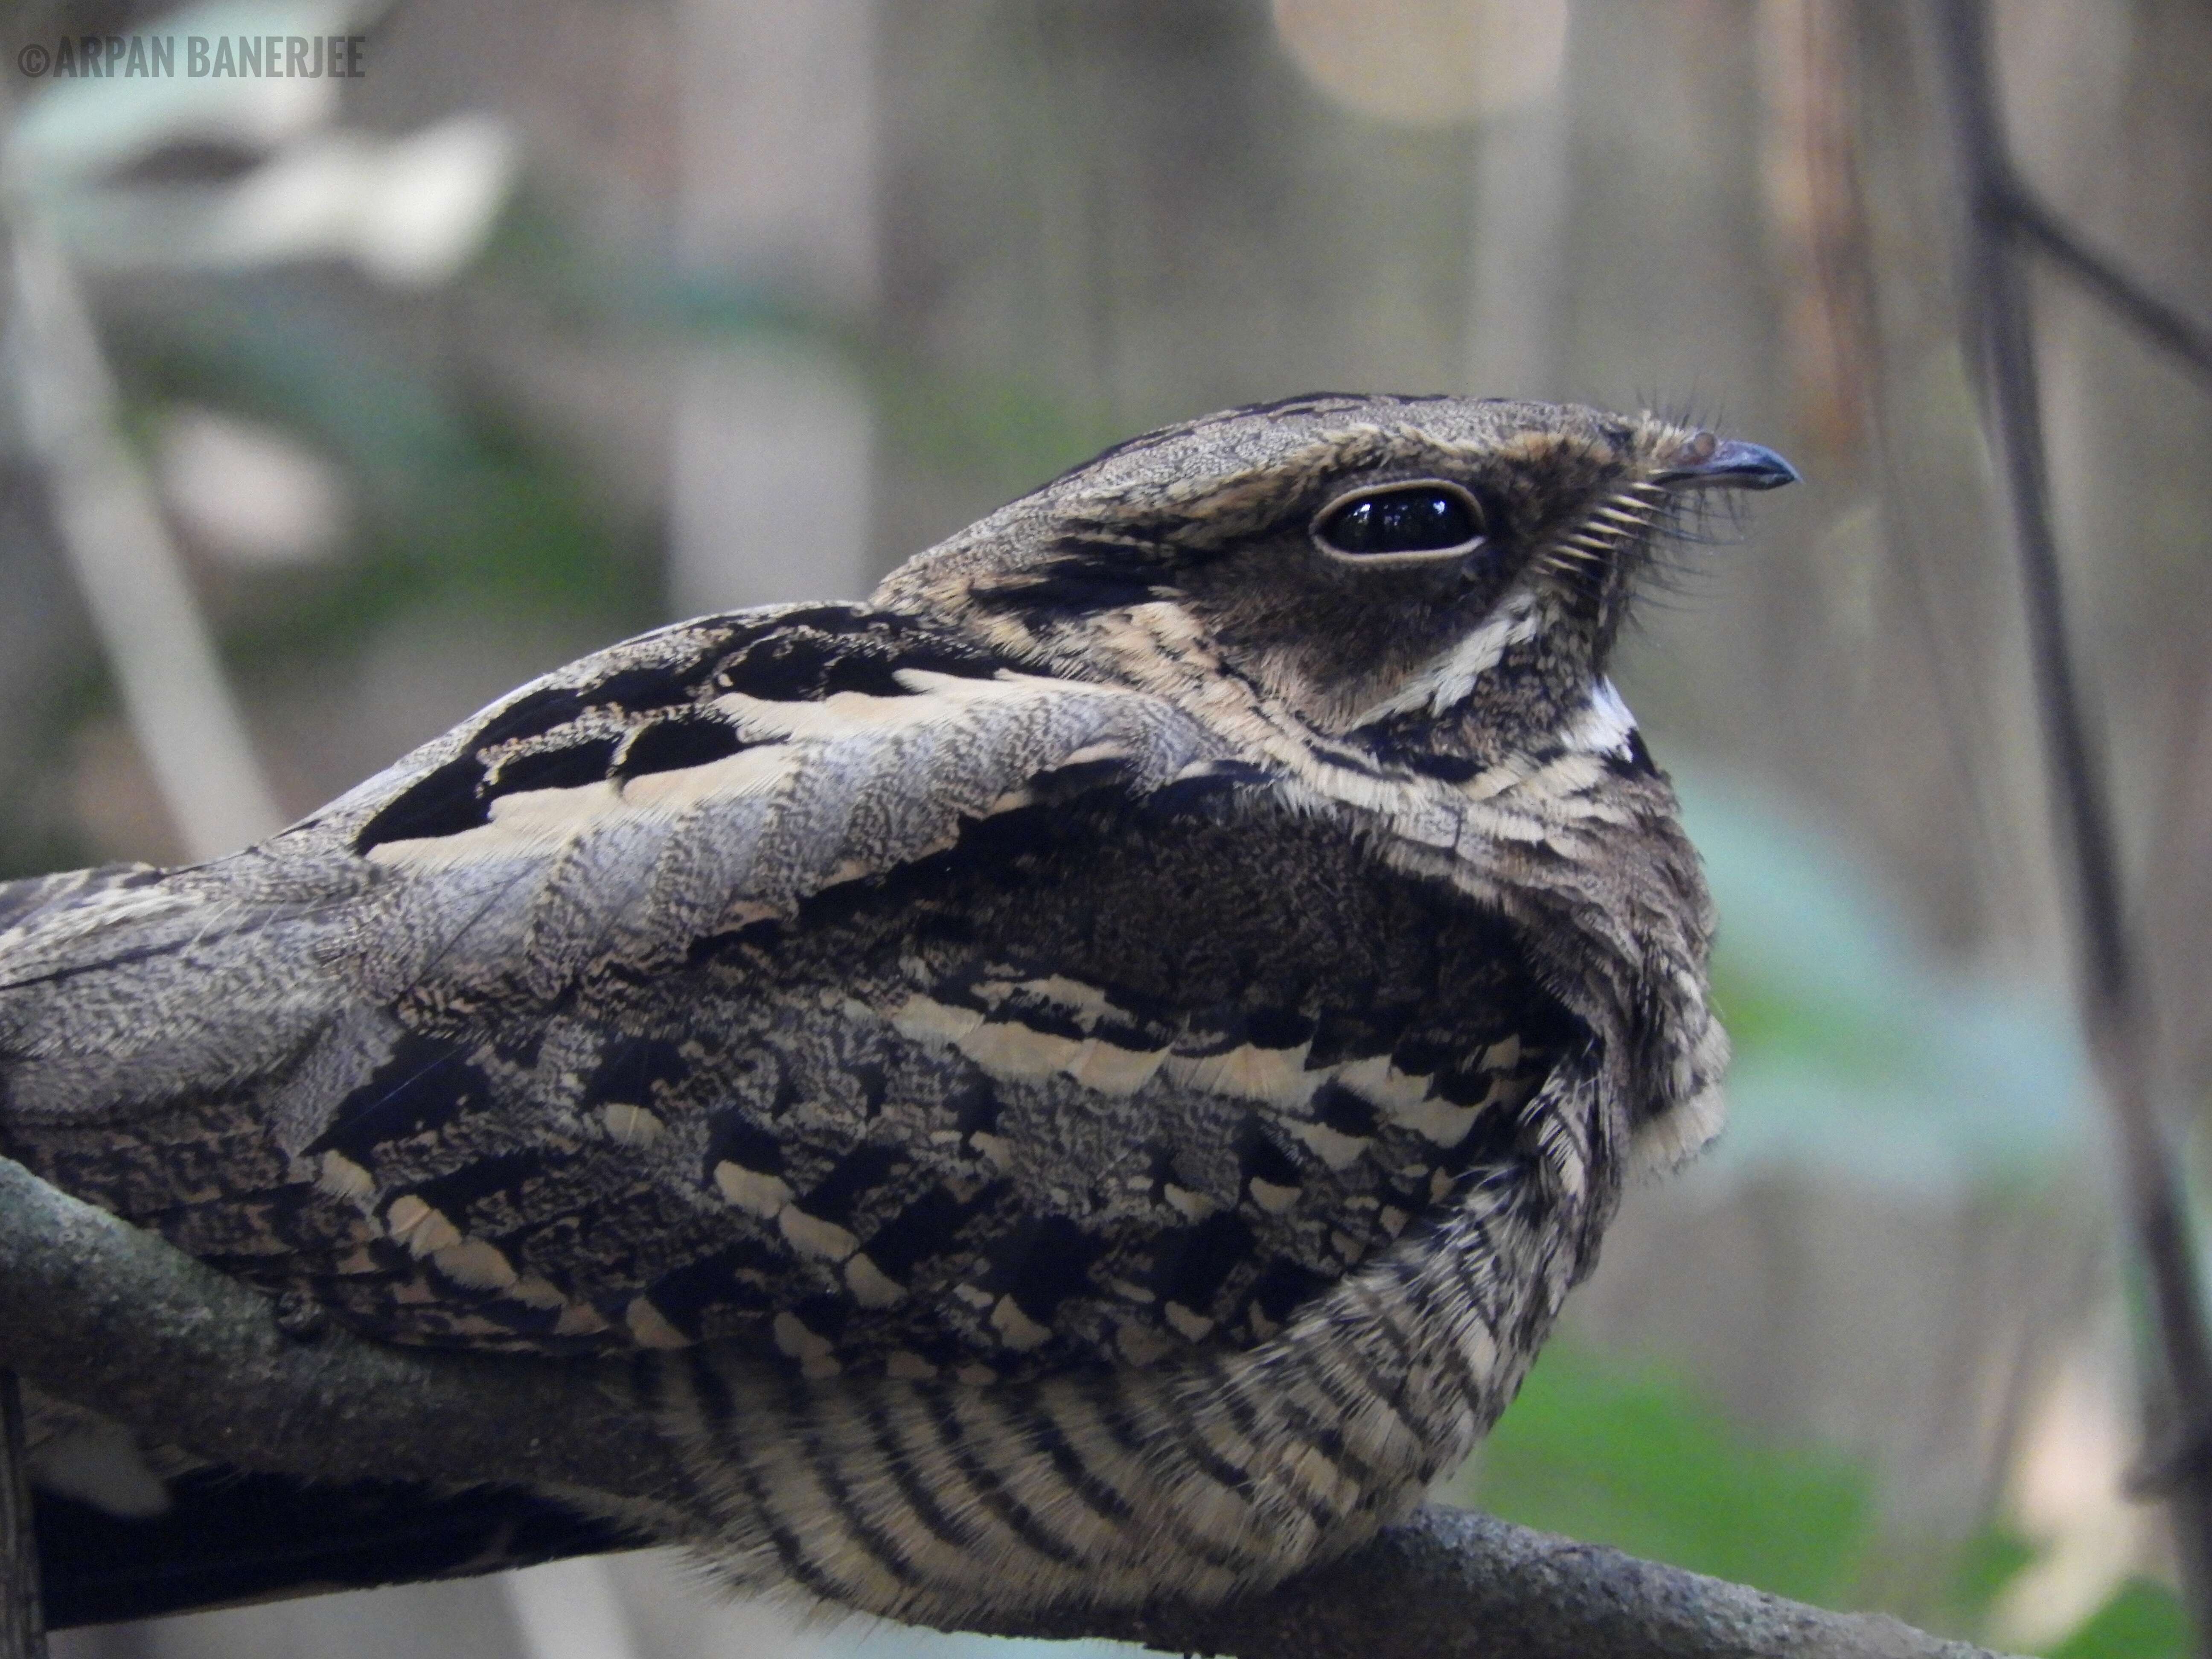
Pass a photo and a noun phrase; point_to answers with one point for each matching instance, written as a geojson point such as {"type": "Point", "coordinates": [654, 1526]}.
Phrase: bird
{"type": "Point", "coordinates": [1083, 1078]}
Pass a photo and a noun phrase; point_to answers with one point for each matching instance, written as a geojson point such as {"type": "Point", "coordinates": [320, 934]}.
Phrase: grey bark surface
{"type": "Point", "coordinates": [23, 1628]}
{"type": "Point", "coordinates": [97, 1311]}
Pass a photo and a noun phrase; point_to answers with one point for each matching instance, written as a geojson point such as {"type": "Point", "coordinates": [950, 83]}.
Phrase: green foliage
{"type": "Point", "coordinates": [1636, 1461]}
{"type": "Point", "coordinates": [1986, 1565]}
{"type": "Point", "coordinates": [1772, 1019]}
{"type": "Point", "coordinates": [1857, 1057]}
{"type": "Point", "coordinates": [2143, 1620]}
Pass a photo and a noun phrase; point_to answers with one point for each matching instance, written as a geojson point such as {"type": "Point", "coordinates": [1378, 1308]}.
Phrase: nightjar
{"type": "Point", "coordinates": [1086, 1077]}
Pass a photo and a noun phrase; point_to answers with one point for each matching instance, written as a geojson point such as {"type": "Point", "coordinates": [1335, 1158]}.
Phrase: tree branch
{"type": "Point", "coordinates": [2115, 1012]}
{"type": "Point", "coordinates": [23, 1627]}
{"type": "Point", "coordinates": [2164, 326]}
{"type": "Point", "coordinates": [95, 1311]}
{"type": "Point", "coordinates": [1454, 1584]}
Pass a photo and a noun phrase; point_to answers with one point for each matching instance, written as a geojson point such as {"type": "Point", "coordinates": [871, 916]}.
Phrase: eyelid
{"type": "Point", "coordinates": [1337, 504]}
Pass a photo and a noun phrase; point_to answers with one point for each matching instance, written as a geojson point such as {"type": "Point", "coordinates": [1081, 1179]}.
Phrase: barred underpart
{"type": "Point", "coordinates": [1115, 1486]}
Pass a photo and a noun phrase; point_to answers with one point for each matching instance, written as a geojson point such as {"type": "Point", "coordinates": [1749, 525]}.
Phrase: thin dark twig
{"type": "Point", "coordinates": [22, 1623]}
{"type": "Point", "coordinates": [2025, 215]}
{"type": "Point", "coordinates": [2114, 1009]}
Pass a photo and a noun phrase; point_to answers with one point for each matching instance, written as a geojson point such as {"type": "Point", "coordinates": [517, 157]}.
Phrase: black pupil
{"type": "Point", "coordinates": [1417, 520]}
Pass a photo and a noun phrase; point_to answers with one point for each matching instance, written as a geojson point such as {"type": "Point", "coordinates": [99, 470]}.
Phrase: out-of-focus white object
{"type": "Point", "coordinates": [429, 200]}
{"type": "Point", "coordinates": [2069, 1494]}
{"type": "Point", "coordinates": [569, 1610]}
{"type": "Point", "coordinates": [1427, 62]}
{"type": "Point", "coordinates": [410, 211]}
{"type": "Point", "coordinates": [247, 493]}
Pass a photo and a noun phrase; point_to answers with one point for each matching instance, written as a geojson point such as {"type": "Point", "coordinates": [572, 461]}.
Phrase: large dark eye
{"type": "Point", "coordinates": [1415, 518]}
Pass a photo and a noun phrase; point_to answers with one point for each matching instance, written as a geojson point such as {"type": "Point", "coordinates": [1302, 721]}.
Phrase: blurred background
{"type": "Point", "coordinates": [338, 407]}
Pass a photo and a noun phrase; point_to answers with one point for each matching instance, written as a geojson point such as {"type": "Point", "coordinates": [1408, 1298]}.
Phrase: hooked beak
{"type": "Point", "coordinates": [1729, 463]}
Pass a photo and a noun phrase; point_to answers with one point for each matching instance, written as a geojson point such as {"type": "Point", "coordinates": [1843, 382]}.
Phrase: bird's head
{"type": "Point", "coordinates": [1420, 576]}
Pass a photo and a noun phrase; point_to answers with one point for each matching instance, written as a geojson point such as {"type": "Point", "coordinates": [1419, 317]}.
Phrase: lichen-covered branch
{"type": "Point", "coordinates": [93, 1310]}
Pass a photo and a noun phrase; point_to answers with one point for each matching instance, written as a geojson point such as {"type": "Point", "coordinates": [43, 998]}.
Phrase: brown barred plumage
{"type": "Point", "coordinates": [1087, 1078]}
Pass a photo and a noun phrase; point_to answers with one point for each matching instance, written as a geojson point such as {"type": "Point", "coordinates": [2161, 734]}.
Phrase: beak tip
{"type": "Point", "coordinates": [1757, 467]}
{"type": "Point", "coordinates": [1734, 464]}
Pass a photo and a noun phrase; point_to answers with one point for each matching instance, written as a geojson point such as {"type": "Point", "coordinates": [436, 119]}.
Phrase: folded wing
{"type": "Point", "coordinates": [805, 979]}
